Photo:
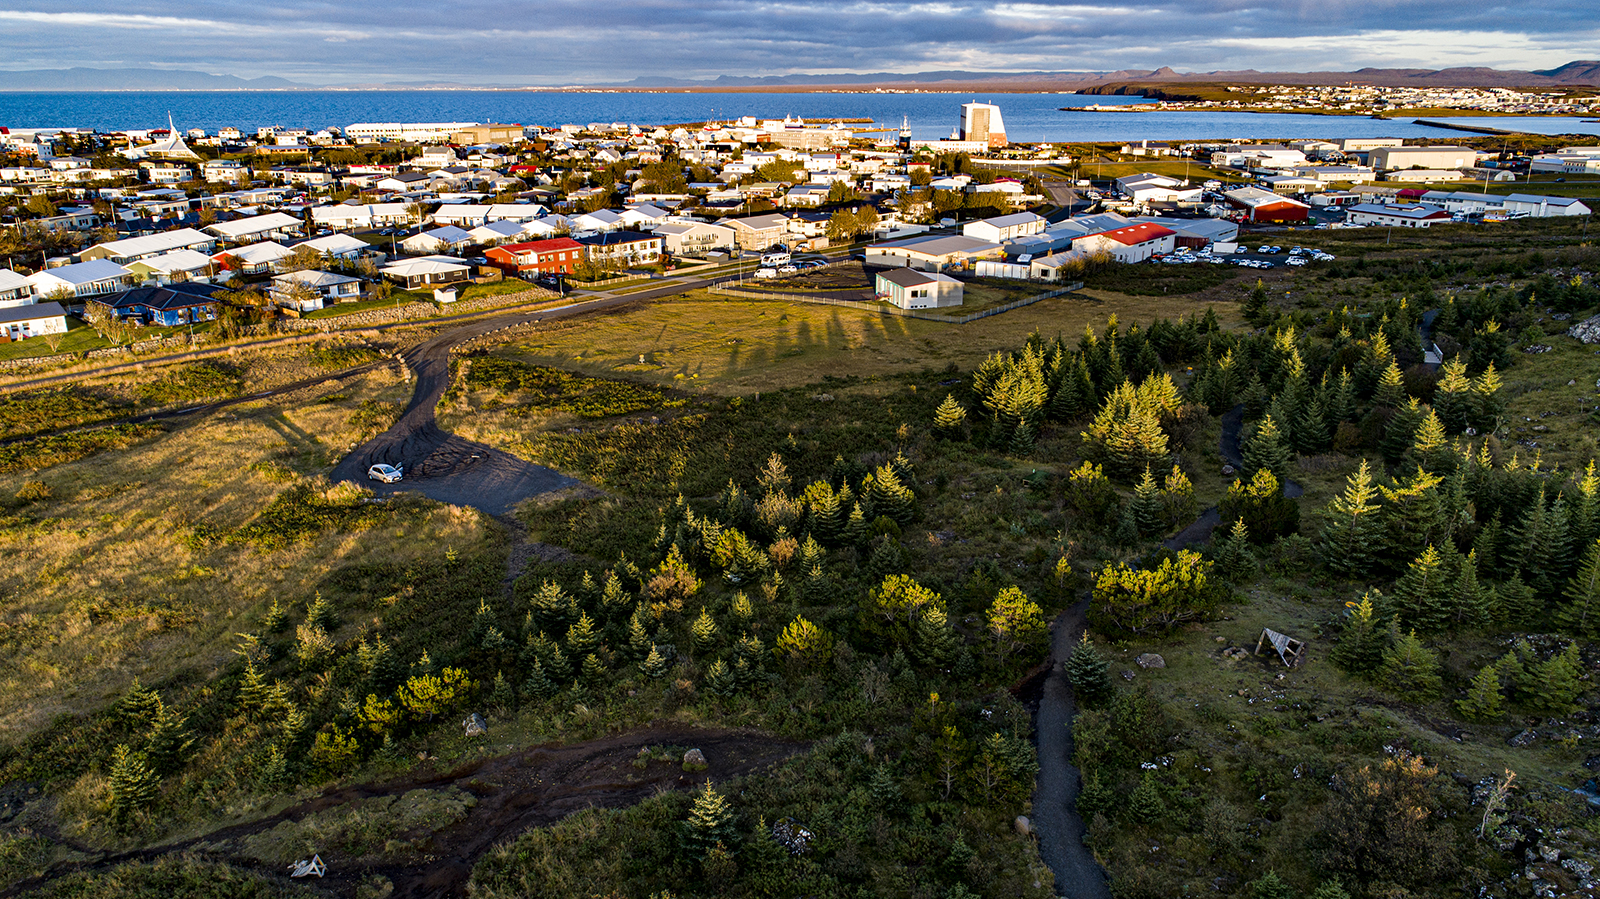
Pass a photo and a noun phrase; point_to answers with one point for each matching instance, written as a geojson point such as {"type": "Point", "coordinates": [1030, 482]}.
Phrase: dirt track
{"type": "Point", "coordinates": [530, 788]}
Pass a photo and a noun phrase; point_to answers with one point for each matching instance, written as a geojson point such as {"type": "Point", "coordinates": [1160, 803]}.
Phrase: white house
{"type": "Point", "coordinates": [1005, 227]}
{"type": "Point", "coordinates": [178, 265]}
{"type": "Point", "coordinates": [911, 289]}
{"type": "Point", "coordinates": [694, 238]}
{"type": "Point", "coordinates": [644, 215]}
{"type": "Point", "coordinates": [273, 226]}
{"type": "Point", "coordinates": [496, 232]}
{"type": "Point", "coordinates": [254, 258]}
{"type": "Point", "coordinates": [1148, 188]}
{"type": "Point", "coordinates": [339, 246]}
{"type": "Point", "coordinates": [1412, 215]}
{"type": "Point", "coordinates": [132, 248]}
{"type": "Point", "coordinates": [328, 287]}
{"type": "Point", "coordinates": [602, 220]}
{"type": "Point", "coordinates": [437, 241]}
{"type": "Point", "coordinates": [83, 279]}
{"type": "Point", "coordinates": [1542, 207]}
{"type": "Point", "coordinates": [22, 322]}
{"type": "Point", "coordinates": [1135, 243]}
{"type": "Point", "coordinates": [933, 253]}
{"type": "Point", "coordinates": [13, 289]}
{"type": "Point", "coordinates": [424, 270]}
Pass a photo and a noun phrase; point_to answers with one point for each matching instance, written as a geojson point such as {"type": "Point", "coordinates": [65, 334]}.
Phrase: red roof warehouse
{"type": "Point", "coordinates": [559, 254]}
{"type": "Point", "coordinates": [1266, 206]}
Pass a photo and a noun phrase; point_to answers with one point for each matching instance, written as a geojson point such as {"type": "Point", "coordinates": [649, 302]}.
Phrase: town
{"type": "Point", "coordinates": [108, 231]}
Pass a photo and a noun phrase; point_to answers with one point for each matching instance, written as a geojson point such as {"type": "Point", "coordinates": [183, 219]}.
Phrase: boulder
{"type": "Point", "coordinates": [1525, 738]}
{"type": "Point", "coordinates": [475, 725]}
{"type": "Point", "coordinates": [694, 760]}
{"type": "Point", "coordinates": [1128, 675]}
{"type": "Point", "coordinates": [1587, 331]}
{"type": "Point", "coordinates": [1023, 825]}
{"type": "Point", "coordinates": [1151, 660]}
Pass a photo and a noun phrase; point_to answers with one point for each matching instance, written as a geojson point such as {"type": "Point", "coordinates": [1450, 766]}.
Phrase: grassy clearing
{"type": "Point", "coordinates": [386, 828]}
{"type": "Point", "coordinates": [80, 338]}
{"type": "Point", "coordinates": [730, 346]}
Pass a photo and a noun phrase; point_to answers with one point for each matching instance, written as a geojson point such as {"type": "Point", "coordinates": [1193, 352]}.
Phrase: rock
{"type": "Point", "coordinates": [1525, 738]}
{"type": "Point", "coordinates": [1227, 469]}
{"type": "Point", "coordinates": [1023, 825]}
{"type": "Point", "coordinates": [1580, 868]}
{"type": "Point", "coordinates": [1127, 675]}
{"type": "Point", "coordinates": [1151, 660]}
{"type": "Point", "coordinates": [475, 725]}
{"type": "Point", "coordinates": [1221, 639]}
{"type": "Point", "coordinates": [694, 760]}
{"type": "Point", "coordinates": [1587, 331]}
{"type": "Point", "coordinates": [1550, 853]}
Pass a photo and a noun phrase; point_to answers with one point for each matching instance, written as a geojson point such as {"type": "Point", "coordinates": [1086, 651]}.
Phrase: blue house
{"type": "Point", "coordinates": [165, 306]}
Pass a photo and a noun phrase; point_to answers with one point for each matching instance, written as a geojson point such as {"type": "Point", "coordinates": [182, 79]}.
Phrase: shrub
{"type": "Point", "coordinates": [1180, 589]}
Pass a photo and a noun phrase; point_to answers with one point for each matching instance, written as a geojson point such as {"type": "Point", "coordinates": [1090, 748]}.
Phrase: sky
{"type": "Point", "coordinates": [554, 42]}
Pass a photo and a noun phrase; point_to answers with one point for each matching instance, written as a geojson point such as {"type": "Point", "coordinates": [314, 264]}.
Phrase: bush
{"type": "Point", "coordinates": [1180, 589]}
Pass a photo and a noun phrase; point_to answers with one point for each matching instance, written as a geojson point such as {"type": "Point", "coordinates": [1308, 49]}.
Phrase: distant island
{"type": "Point", "coordinates": [1580, 74]}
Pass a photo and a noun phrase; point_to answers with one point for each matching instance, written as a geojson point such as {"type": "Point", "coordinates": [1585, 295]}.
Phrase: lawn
{"type": "Point", "coordinates": [732, 346]}
{"type": "Point", "coordinates": [80, 338]}
{"type": "Point", "coordinates": [401, 297]}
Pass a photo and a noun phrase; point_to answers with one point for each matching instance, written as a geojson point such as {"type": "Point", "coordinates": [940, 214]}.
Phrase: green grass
{"type": "Point", "coordinates": [80, 338]}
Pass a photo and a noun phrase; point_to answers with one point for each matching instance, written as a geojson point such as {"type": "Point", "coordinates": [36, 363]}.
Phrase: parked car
{"type": "Point", "coordinates": [388, 474]}
{"type": "Point", "coordinates": [1297, 260]}
{"type": "Point", "coordinates": [789, 269]}
{"type": "Point", "coordinates": [766, 273]}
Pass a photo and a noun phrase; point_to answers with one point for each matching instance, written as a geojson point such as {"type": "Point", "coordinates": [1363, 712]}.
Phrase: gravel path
{"type": "Point", "coordinates": [1055, 798]}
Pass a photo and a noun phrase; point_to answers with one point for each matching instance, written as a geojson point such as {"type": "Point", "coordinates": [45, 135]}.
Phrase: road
{"type": "Point", "coordinates": [451, 469]}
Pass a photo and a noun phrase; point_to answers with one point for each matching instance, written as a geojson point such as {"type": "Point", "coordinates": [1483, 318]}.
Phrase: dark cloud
{"type": "Point", "coordinates": [568, 42]}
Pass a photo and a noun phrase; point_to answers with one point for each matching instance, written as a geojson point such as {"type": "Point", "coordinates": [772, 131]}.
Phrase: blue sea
{"type": "Point", "coordinates": [1028, 117]}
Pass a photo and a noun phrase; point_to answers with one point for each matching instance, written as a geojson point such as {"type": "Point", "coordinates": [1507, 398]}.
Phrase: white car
{"type": "Point", "coordinates": [1297, 260]}
{"type": "Point", "coordinates": [766, 273]}
{"type": "Point", "coordinates": [388, 474]}
{"type": "Point", "coordinates": [788, 269]}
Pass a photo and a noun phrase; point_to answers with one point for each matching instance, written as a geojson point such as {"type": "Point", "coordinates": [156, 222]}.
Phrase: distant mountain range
{"type": "Point", "coordinates": [1579, 73]}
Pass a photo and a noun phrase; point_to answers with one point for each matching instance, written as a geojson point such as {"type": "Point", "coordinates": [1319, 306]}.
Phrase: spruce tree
{"type": "Point", "coordinates": [140, 707]}
{"type": "Point", "coordinates": [1516, 604]}
{"type": "Point", "coordinates": [550, 607]}
{"type": "Point", "coordinates": [1146, 806]}
{"type": "Point", "coordinates": [638, 637]}
{"type": "Point", "coordinates": [132, 785]}
{"type": "Point", "coordinates": [1583, 511]}
{"type": "Point", "coordinates": [1089, 673]}
{"type": "Point", "coordinates": [1391, 390]}
{"type": "Point", "coordinates": [710, 823]}
{"type": "Point", "coordinates": [950, 419]}
{"type": "Point", "coordinates": [1361, 643]}
{"type": "Point", "coordinates": [1430, 447]}
{"type": "Point", "coordinates": [1482, 703]}
{"type": "Point", "coordinates": [1556, 684]}
{"type": "Point", "coordinates": [856, 530]}
{"type": "Point", "coordinates": [1401, 431]}
{"type": "Point", "coordinates": [655, 665]}
{"type": "Point", "coordinates": [581, 637]}
{"type": "Point", "coordinates": [1177, 496]}
{"type": "Point", "coordinates": [1487, 404]}
{"type": "Point", "coordinates": [502, 696]}
{"type": "Point", "coordinates": [703, 632]}
{"type": "Point", "coordinates": [1452, 398]}
{"type": "Point", "coordinates": [1473, 600]}
{"type": "Point", "coordinates": [933, 641]}
{"type": "Point", "coordinates": [1422, 595]}
{"type": "Point", "coordinates": [1411, 669]}
{"type": "Point", "coordinates": [593, 671]}
{"type": "Point", "coordinates": [1234, 557]}
{"type": "Point", "coordinates": [1580, 612]}
{"type": "Point", "coordinates": [1147, 509]}
{"type": "Point", "coordinates": [1352, 536]}
{"type": "Point", "coordinates": [538, 684]}
{"type": "Point", "coordinates": [167, 741]}
{"type": "Point", "coordinates": [1265, 449]}
{"type": "Point", "coordinates": [1270, 886]}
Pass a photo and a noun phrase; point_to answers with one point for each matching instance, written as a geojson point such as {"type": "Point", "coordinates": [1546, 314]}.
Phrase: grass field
{"type": "Point", "coordinates": [724, 345]}
{"type": "Point", "coordinates": [80, 338]}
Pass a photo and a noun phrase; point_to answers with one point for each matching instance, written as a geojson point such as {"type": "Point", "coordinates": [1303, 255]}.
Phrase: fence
{"type": "Point", "coordinates": [887, 309]}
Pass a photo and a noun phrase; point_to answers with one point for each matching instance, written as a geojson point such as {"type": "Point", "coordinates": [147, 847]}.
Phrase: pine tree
{"type": "Point", "coordinates": [1516, 604]}
{"type": "Point", "coordinates": [1430, 447]}
{"type": "Point", "coordinates": [703, 631]}
{"type": "Point", "coordinates": [1411, 669]}
{"type": "Point", "coordinates": [1487, 404]}
{"type": "Point", "coordinates": [710, 823]}
{"type": "Point", "coordinates": [1234, 557]}
{"type": "Point", "coordinates": [1401, 431]}
{"type": "Point", "coordinates": [1270, 886]}
{"type": "Point", "coordinates": [655, 665]}
{"type": "Point", "coordinates": [1265, 449]}
{"type": "Point", "coordinates": [581, 637]}
{"type": "Point", "coordinates": [1555, 684]}
{"type": "Point", "coordinates": [613, 599]}
{"type": "Point", "coordinates": [252, 689]}
{"type": "Point", "coordinates": [1422, 595]}
{"type": "Point", "coordinates": [1148, 512]}
{"type": "Point", "coordinates": [1354, 531]}
{"type": "Point", "coordinates": [933, 641]}
{"type": "Point", "coordinates": [132, 785]}
{"type": "Point", "coordinates": [1146, 805]}
{"type": "Point", "coordinates": [550, 607]}
{"type": "Point", "coordinates": [1089, 673]}
{"type": "Point", "coordinates": [593, 671]}
{"type": "Point", "coordinates": [166, 742]}
{"type": "Point", "coordinates": [1361, 644]}
{"type": "Point", "coordinates": [720, 680]}
{"type": "Point", "coordinates": [140, 707]}
{"type": "Point", "coordinates": [319, 614]}
{"type": "Point", "coordinates": [1177, 498]}
{"type": "Point", "coordinates": [1452, 398]}
{"type": "Point", "coordinates": [1332, 889]}
{"type": "Point", "coordinates": [856, 530]}
{"type": "Point", "coordinates": [502, 696]}
{"type": "Point", "coordinates": [539, 685]}
{"type": "Point", "coordinates": [1472, 599]}
{"type": "Point", "coordinates": [950, 419]}
{"type": "Point", "coordinates": [889, 496]}
{"type": "Point", "coordinates": [1391, 391]}
{"type": "Point", "coordinates": [804, 645]}
{"type": "Point", "coordinates": [1482, 703]}
{"type": "Point", "coordinates": [1580, 613]}
{"type": "Point", "coordinates": [275, 619]}
{"type": "Point", "coordinates": [638, 637]}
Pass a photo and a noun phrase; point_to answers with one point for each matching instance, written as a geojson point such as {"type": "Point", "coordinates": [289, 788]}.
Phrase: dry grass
{"type": "Point", "coordinates": [734, 346]}
{"type": "Point", "coordinates": [113, 575]}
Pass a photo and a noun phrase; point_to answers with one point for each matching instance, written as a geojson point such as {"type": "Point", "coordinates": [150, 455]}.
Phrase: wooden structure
{"type": "Point", "coordinates": [308, 868]}
{"type": "Point", "coordinates": [1289, 649]}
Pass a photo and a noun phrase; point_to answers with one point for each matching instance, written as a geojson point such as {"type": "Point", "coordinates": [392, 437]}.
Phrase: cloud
{"type": "Point", "coordinates": [567, 41]}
